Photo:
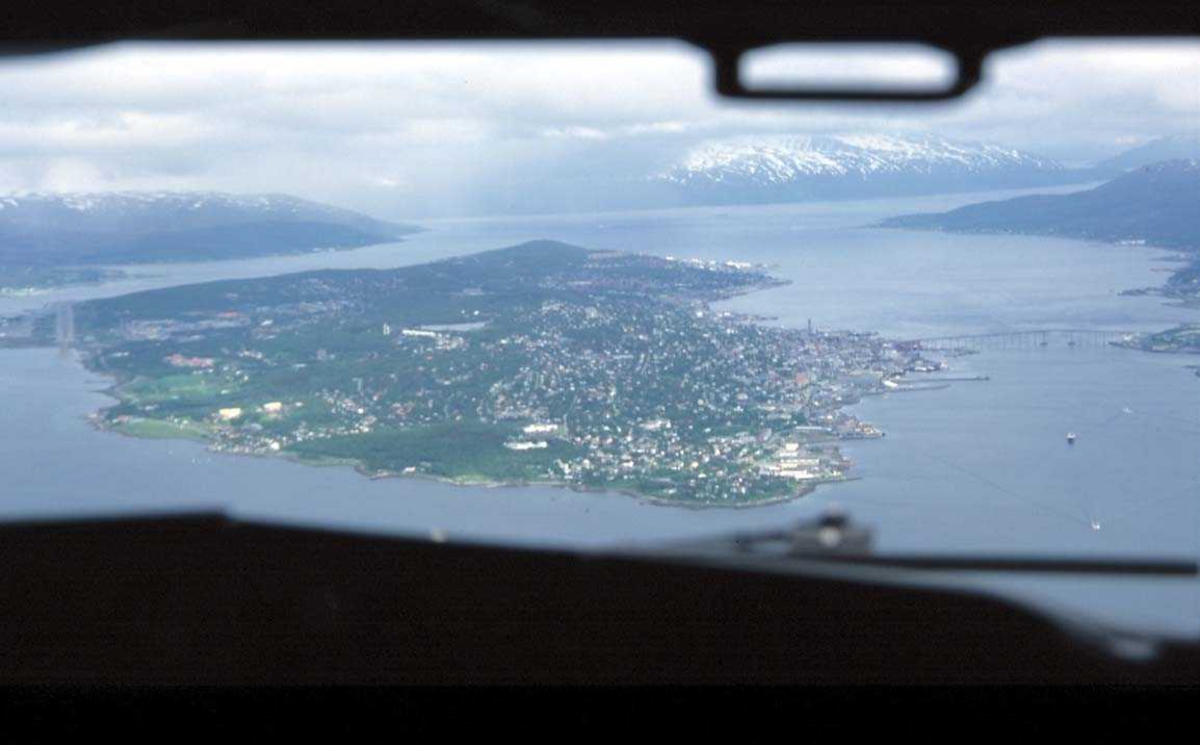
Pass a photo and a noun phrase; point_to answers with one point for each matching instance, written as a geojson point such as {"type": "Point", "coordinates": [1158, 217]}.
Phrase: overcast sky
{"type": "Point", "coordinates": [420, 130]}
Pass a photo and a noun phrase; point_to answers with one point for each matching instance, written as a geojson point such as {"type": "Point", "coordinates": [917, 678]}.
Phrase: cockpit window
{"type": "Point", "coordinates": [562, 295]}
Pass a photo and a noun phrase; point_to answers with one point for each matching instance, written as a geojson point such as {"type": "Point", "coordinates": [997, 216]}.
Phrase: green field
{"type": "Point", "coordinates": [161, 429]}
{"type": "Point", "coordinates": [184, 388]}
{"type": "Point", "coordinates": [468, 452]}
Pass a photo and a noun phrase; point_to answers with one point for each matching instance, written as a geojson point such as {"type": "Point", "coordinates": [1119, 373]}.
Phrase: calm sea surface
{"type": "Point", "coordinates": [976, 467]}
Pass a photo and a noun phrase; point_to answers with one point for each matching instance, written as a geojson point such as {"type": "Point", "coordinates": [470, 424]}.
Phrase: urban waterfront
{"type": "Point", "coordinates": [978, 466]}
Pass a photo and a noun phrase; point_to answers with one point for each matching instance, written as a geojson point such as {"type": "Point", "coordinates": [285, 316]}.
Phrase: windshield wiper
{"type": "Point", "coordinates": [832, 538]}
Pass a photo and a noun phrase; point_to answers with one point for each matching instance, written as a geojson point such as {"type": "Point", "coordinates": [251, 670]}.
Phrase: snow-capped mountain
{"type": "Point", "coordinates": [124, 227]}
{"type": "Point", "coordinates": [784, 168]}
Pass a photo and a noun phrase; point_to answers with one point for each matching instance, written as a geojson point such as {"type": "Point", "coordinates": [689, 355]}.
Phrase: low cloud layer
{"type": "Point", "coordinates": [442, 129]}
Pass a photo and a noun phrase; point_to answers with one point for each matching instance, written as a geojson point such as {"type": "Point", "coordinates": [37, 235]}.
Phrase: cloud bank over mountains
{"type": "Point", "coordinates": [404, 132]}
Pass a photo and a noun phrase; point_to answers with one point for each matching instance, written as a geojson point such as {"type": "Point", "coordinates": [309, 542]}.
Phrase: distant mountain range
{"type": "Point", "coordinates": [57, 230]}
{"type": "Point", "coordinates": [796, 168]}
{"type": "Point", "coordinates": [1158, 204]}
{"type": "Point", "coordinates": [1179, 147]}
{"type": "Point", "coordinates": [786, 168]}
{"type": "Point", "coordinates": [129, 227]}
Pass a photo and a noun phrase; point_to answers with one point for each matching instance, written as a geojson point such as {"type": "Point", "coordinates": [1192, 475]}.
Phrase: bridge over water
{"type": "Point", "coordinates": [64, 325]}
{"type": "Point", "coordinates": [1025, 339]}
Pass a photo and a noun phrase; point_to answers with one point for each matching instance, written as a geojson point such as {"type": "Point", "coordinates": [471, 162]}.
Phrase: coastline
{"type": "Point", "coordinates": [97, 421]}
{"type": "Point", "coordinates": [113, 391]}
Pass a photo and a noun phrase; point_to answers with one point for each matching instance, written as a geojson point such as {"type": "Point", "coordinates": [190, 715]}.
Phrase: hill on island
{"type": "Point", "coordinates": [1158, 204]}
{"type": "Point", "coordinates": [150, 227]}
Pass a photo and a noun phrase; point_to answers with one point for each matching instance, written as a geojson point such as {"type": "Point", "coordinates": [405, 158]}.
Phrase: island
{"type": "Point", "coordinates": [542, 363]}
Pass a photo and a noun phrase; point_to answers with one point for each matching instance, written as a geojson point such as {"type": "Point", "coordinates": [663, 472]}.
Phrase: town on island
{"type": "Point", "coordinates": [542, 363]}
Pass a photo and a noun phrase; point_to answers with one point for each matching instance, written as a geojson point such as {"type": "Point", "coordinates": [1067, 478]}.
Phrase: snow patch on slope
{"type": "Point", "coordinates": [783, 159]}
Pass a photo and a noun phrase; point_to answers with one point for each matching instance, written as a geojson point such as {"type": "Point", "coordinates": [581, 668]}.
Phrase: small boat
{"type": "Point", "coordinates": [1095, 525]}
{"type": "Point", "coordinates": [1070, 438]}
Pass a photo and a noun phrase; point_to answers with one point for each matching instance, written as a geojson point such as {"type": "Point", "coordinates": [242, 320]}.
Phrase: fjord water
{"type": "Point", "coordinates": [980, 467]}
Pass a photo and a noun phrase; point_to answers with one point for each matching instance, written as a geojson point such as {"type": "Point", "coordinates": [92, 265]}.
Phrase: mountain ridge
{"type": "Point", "coordinates": [135, 227]}
{"type": "Point", "coordinates": [797, 167]}
{"type": "Point", "coordinates": [1154, 204]}
{"type": "Point", "coordinates": [1174, 147]}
